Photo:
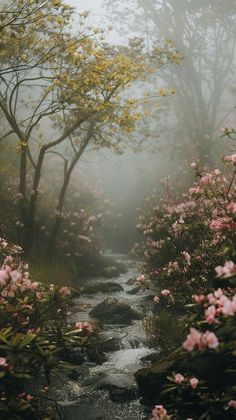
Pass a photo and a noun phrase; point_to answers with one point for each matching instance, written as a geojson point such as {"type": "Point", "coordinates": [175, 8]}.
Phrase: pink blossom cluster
{"type": "Point", "coordinates": [12, 280]}
{"type": "Point", "coordinates": [196, 190]}
{"type": "Point", "coordinates": [228, 268]}
{"type": "Point", "coordinates": [187, 257]}
{"type": "Point", "coordinates": [165, 293]}
{"type": "Point", "coordinates": [196, 339]}
{"type": "Point", "coordinates": [3, 362]}
{"type": "Point", "coordinates": [25, 396]}
{"type": "Point", "coordinates": [220, 304]}
{"type": "Point", "coordinates": [232, 404]}
{"type": "Point", "coordinates": [64, 291]}
{"type": "Point", "coordinates": [84, 326]}
{"type": "Point", "coordinates": [141, 278]}
{"type": "Point", "coordinates": [222, 223]}
{"type": "Point", "coordinates": [172, 267]}
{"type": "Point", "coordinates": [179, 379]}
{"type": "Point", "coordinates": [159, 413]}
{"type": "Point", "coordinates": [230, 158]}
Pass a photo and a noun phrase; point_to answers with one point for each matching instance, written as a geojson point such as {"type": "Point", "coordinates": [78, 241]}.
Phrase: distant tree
{"type": "Point", "coordinates": [203, 32]}
{"type": "Point", "coordinates": [60, 93]}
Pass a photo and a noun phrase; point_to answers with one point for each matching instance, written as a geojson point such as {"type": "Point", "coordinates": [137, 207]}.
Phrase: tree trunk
{"type": "Point", "coordinates": [61, 200]}
{"type": "Point", "coordinates": [29, 231]}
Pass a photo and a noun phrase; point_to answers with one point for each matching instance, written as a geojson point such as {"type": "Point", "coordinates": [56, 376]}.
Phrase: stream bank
{"type": "Point", "coordinates": [106, 389]}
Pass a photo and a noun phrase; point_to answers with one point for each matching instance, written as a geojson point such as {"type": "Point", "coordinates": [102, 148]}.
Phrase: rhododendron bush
{"type": "Point", "coordinates": [81, 232]}
{"type": "Point", "coordinates": [185, 241]}
{"type": "Point", "coordinates": [80, 236]}
{"type": "Point", "coordinates": [189, 257]}
{"type": "Point", "coordinates": [207, 390]}
{"type": "Point", "coordinates": [35, 338]}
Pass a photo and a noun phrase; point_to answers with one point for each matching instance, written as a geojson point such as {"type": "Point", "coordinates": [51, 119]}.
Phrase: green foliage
{"type": "Point", "coordinates": [36, 338]}
{"type": "Point", "coordinates": [164, 330]}
{"type": "Point", "coordinates": [190, 254]}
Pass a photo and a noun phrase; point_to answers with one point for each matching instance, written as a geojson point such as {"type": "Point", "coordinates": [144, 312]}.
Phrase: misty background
{"type": "Point", "coordinates": [182, 127]}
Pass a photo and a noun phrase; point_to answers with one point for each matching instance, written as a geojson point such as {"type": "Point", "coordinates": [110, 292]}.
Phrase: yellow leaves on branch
{"type": "Point", "coordinates": [165, 92]}
{"type": "Point", "coordinates": [75, 72]}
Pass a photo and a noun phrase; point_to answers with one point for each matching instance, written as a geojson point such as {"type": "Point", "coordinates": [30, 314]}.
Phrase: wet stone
{"type": "Point", "coordinates": [113, 311]}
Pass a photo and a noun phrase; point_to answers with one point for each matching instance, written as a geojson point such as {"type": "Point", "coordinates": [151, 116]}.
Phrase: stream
{"type": "Point", "coordinates": [108, 391]}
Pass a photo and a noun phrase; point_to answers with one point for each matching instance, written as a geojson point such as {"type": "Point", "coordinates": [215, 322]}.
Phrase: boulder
{"type": "Point", "coordinates": [150, 380]}
{"type": "Point", "coordinates": [134, 291]}
{"type": "Point", "coordinates": [131, 281]}
{"type": "Point", "coordinates": [111, 271]}
{"type": "Point", "coordinates": [102, 287]}
{"type": "Point", "coordinates": [113, 311]}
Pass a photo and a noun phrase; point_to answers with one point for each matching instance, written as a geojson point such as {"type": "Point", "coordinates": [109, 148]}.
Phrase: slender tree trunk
{"type": "Point", "coordinates": [23, 170]}
{"type": "Point", "coordinates": [22, 184]}
{"type": "Point", "coordinates": [29, 234]}
{"type": "Point", "coordinates": [61, 200]}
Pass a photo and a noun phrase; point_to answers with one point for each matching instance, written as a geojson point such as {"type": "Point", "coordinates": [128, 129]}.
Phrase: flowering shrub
{"type": "Point", "coordinates": [204, 385]}
{"type": "Point", "coordinates": [184, 241]}
{"type": "Point", "coordinates": [80, 238]}
{"type": "Point", "coordinates": [207, 391]}
{"type": "Point", "coordinates": [80, 235]}
{"type": "Point", "coordinates": [35, 335]}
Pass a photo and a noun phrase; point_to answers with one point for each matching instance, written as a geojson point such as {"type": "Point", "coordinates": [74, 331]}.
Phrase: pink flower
{"type": "Point", "coordinates": [141, 278]}
{"type": "Point", "coordinates": [40, 296]}
{"type": "Point", "coordinates": [64, 291]}
{"type": "Point", "coordinates": [195, 190]}
{"type": "Point", "coordinates": [193, 165]}
{"type": "Point", "coordinates": [8, 259]}
{"type": "Point", "coordinates": [232, 404]}
{"type": "Point", "coordinates": [232, 208]}
{"type": "Point", "coordinates": [16, 276]}
{"type": "Point", "coordinates": [210, 314]}
{"type": "Point", "coordinates": [228, 306]}
{"type": "Point", "coordinates": [3, 277]}
{"type": "Point", "coordinates": [202, 341]}
{"type": "Point", "coordinates": [187, 257]}
{"type": "Point", "coordinates": [156, 299]}
{"type": "Point", "coordinates": [165, 292]}
{"type": "Point", "coordinates": [27, 397]}
{"type": "Point", "coordinates": [194, 382]}
{"type": "Point", "coordinates": [3, 362]}
{"type": "Point", "coordinates": [192, 339]}
{"type": "Point", "coordinates": [84, 326]}
{"type": "Point", "coordinates": [205, 180]}
{"type": "Point", "coordinates": [228, 268]}
{"type": "Point", "coordinates": [231, 158]}
{"type": "Point", "coordinates": [211, 339]}
{"type": "Point", "coordinates": [211, 298]}
{"type": "Point", "coordinates": [179, 378]}
{"type": "Point", "coordinates": [159, 413]}
{"type": "Point", "coordinates": [218, 293]}
{"type": "Point", "coordinates": [198, 298]}
{"type": "Point", "coordinates": [223, 223]}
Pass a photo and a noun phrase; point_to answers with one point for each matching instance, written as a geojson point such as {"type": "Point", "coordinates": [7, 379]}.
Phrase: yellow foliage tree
{"type": "Point", "coordinates": [69, 82]}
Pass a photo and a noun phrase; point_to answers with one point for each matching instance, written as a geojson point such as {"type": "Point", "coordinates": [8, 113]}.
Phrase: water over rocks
{"type": "Point", "coordinates": [114, 311]}
{"type": "Point", "coordinates": [102, 385]}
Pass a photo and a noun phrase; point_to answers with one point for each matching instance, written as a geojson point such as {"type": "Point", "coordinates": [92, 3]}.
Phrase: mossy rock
{"type": "Point", "coordinates": [113, 311]}
{"type": "Point", "coordinates": [151, 380]}
{"type": "Point", "coordinates": [102, 287]}
{"type": "Point", "coordinates": [131, 281]}
{"type": "Point", "coordinates": [111, 271]}
{"type": "Point", "coordinates": [134, 291]}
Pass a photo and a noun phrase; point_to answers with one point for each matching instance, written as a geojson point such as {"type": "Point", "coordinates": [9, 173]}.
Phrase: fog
{"type": "Point", "coordinates": [189, 98]}
{"type": "Point", "coordinates": [186, 126]}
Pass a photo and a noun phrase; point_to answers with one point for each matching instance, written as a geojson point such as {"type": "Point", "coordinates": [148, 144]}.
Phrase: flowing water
{"type": "Point", "coordinates": [97, 395]}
